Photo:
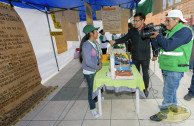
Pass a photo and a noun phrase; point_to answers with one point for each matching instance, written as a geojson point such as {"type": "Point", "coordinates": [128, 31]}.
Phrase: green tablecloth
{"type": "Point", "coordinates": [102, 80]}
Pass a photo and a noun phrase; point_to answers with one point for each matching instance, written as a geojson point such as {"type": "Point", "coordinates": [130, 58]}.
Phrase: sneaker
{"type": "Point", "coordinates": [188, 97]}
{"type": "Point", "coordinates": [155, 118]}
{"type": "Point", "coordinates": [95, 113]}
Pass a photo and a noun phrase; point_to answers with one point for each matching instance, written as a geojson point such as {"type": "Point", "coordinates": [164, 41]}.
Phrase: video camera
{"type": "Point", "coordinates": [150, 28]}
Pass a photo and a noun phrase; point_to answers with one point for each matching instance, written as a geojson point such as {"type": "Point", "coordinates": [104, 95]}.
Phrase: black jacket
{"type": "Point", "coordinates": [140, 47]}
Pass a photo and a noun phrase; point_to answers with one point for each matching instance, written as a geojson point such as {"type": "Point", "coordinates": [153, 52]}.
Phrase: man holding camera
{"type": "Point", "coordinates": [174, 56]}
{"type": "Point", "coordinates": [140, 48]}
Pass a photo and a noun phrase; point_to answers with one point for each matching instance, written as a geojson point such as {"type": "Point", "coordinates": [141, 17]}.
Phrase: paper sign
{"type": "Point", "coordinates": [56, 24]}
{"type": "Point", "coordinates": [20, 81]}
{"type": "Point", "coordinates": [70, 31]}
{"type": "Point", "coordinates": [89, 17]}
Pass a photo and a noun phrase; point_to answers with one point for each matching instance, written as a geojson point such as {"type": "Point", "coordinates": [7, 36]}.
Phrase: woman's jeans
{"type": "Point", "coordinates": [171, 84]}
{"type": "Point", "coordinates": [191, 89]}
{"type": "Point", "coordinates": [90, 80]}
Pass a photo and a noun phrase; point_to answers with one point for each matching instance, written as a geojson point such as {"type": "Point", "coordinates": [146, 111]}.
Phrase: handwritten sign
{"type": "Point", "coordinates": [20, 81]}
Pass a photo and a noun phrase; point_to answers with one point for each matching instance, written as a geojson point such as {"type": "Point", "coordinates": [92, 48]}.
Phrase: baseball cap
{"type": "Point", "coordinates": [176, 13]}
{"type": "Point", "coordinates": [88, 28]}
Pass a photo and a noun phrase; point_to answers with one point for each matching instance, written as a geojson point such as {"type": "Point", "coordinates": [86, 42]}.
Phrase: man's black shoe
{"type": "Point", "coordinates": [146, 92]}
{"type": "Point", "coordinates": [188, 97]}
{"type": "Point", "coordinates": [155, 118]}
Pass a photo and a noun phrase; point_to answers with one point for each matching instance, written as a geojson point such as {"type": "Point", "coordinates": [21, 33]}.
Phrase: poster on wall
{"type": "Point", "coordinates": [99, 14]}
{"type": "Point", "coordinates": [56, 24]}
{"type": "Point", "coordinates": [60, 41]}
{"type": "Point", "coordinates": [125, 13]}
{"type": "Point", "coordinates": [20, 81]}
{"type": "Point", "coordinates": [67, 15]}
{"type": "Point", "coordinates": [70, 31]}
{"type": "Point", "coordinates": [111, 18]}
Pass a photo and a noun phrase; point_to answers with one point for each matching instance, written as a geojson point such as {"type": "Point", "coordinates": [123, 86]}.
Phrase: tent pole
{"type": "Point", "coordinates": [51, 38]}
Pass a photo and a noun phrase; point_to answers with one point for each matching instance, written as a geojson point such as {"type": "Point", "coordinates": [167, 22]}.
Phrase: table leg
{"type": "Point", "coordinates": [99, 102]}
{"type": "Point", "coordinates": [104, 88]}
{"type": "Point", "coordinates": [137, 101]}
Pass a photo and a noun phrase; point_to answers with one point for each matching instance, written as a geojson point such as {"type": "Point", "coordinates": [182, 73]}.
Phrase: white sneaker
{"type": "Point", "coordinates": [95, 113]}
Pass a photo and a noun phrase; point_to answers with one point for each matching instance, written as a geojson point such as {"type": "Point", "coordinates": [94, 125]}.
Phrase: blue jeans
{"type": "Point", "coordinates": [171, 84]}
{"type": "Point", "coordinates": [90, 81]}
{"type": "Point", "coordinates": [191, 89]}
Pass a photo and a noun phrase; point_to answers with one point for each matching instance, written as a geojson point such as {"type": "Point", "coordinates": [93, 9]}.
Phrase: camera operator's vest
{"type": "Point", "coordinates": [177, 59]}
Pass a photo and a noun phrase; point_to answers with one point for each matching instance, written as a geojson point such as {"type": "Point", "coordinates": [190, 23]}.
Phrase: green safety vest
{"type": "Point", "coordinates": [177, 59]}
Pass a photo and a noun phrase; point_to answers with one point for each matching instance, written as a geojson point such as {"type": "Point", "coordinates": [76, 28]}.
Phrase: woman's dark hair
{"type": "Point", "coordinates": [84, 39]}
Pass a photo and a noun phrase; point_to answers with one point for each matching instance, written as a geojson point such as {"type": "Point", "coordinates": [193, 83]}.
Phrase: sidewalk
{"type": "Point", "coordinates": [68, 105]}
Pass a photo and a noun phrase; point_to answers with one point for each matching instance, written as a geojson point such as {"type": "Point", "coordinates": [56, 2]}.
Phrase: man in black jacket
{"type": "Point", "coordinates": [140, 48]}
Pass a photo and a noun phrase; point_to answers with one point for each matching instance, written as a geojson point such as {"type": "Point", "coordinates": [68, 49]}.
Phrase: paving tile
{"type": "Point", "coordinates": [83, 94]}
{"type": "Point", "coordinates": [124, 123]}
{"type": "Point", "coordinates": [96, 123]}
{"type": "Point", "coordinates": [78, 110]}
{"type": "Point", "coordinates": [67, 94]}
{"type": "Point", "coordinates": [148, 107]}
{"type": "Point", "coordinates": [69, 123]}
{"type": "Point", "coordinates": [52, 110]}
{"type": "Point", "coordinates": [52, 94]}
{"type": "Point", "coordinates": [183, 123]}
{"type": "Point", "coordinates": [22, 123]}
{"type": "Point", "coordinates": [153, 123]}
{"type": "Point", "coordinates": [41, 123]}
{"type": "Point", "coordinates": [189, 105]}
{"type": "Point", "coordinates": [35, 111]}
{"type": "Point", "coordinates": [186, 78]}
{"type": "Point", "coordinates": [182, 91]}
{"type": "Point", "coordinates": [84, 84]}
{"type": "Point", "coordinates": [157, 91]}
{"type": "Point", "coordinates": [67, 109]}
{"type": "Point", "coordinates": [123, 109]}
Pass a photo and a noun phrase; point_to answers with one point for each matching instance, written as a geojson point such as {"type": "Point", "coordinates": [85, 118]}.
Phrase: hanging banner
{"type": "Point", "coordinates": [56, 24]}
{"type": "Point", "coordinates": [111, 18]}
{"type": "Point", "coordinates": [20, 81]}
{"type": "Point", "coordinates": [60, 41]}
{"type": "Point", "coordinates": [70, 31]}
{"type": "Point", "coordinates": [89, 17]}
{"type": "Point", "coordinates": [99, 14]}
{"type": "Point", "coordinates": [125, 13]}
{"type": "Point", "coordinates": [115, 19]}
{"type": "Point", "coordinates": [67, 15]}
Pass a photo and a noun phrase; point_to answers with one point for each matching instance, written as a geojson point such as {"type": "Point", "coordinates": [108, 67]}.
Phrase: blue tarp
{"type": "Point", "coordinates": [50, 4]}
